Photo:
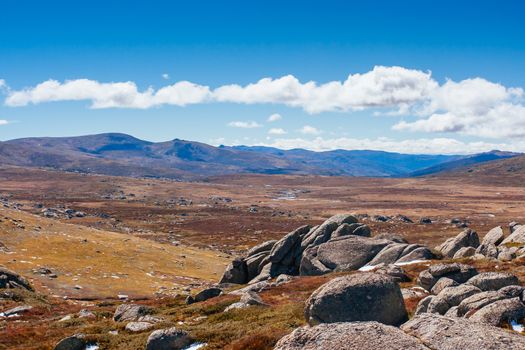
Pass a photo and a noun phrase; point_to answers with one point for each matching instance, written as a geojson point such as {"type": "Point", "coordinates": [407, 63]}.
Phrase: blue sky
{"type": "Point", "coordinates": [475, 46]}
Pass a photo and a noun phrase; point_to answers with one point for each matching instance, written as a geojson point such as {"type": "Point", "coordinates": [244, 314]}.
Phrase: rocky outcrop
{"type": "Point", "coordinates": [447, 333]}
{"type": "Point", "coordinates": [340, 243]}
{"type": "Point", "coordinates": [349, 336]}
{"type": "Point", "coordinates": [493, 280]}
{"type": "Point", "coordinates": [500, 312]}
{"type": "Point", "coordinates": [204, 295]}
{"type": "Point", "coordinates": [459, 273]}
{"type": "Point", "coordinates": [357, 297]}
{"type": "Point", "coordinates": [168, 339]}
{"type": "Point", "coordinates": [10, 279]}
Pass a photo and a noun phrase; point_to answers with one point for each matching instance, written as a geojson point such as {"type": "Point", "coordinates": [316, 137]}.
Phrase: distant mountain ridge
{"type": "Point", "coordinates": [124, 155]}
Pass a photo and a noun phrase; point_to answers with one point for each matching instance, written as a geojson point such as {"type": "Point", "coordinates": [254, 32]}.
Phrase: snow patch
{"type": "Point", "coordinates": [518, 327]}
{"type": "Point", "coordinates": [195, 346]}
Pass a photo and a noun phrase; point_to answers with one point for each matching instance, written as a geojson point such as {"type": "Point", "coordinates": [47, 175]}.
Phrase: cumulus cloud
{"type": "Point", "coordinates": [3, 122]}
{"type": "Point", "coordinates": [309, 130]}
{"type": "Point", "coordinates": [274, 117]}
{"type": "Point", "coordinates": [244, 125]}
{"type": "Point", "coordinates": [109, 95]}
{"type": "Point", "coordinates": [165, 76]}
{"type": "Point", "coordinates": [410, 146]}
{"type": "Point", "coordinates": [472, 106]}
{"type": "Point", "coordinates": [276, 131]}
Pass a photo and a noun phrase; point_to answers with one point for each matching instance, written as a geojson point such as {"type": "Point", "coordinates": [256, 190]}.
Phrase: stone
{"type": "Point", "coordinates": [467, 238]}
{"type": "Point", "coordinates": [443, 283]}
{"type": "Point", "coordinates": [204, 295]}
{"type": "Point", "coordinates": [437, 305]}
{"type": "Point", "coordinates": [518, 236]}
{"type": "Point", "coordinates": [494, 236]}
{"type": "Point", "coordinates": [511, 291]}
{"type": "Point", "coordinates": [395, 272]}
{"type": "Point", "coordinates": [236, 272]}
{"type": "Point", "coordinates": [263, 247]}
{"type": "Point", "coordinates": [493, 280]}
{"type": "Point", "coordinates": [138, 326]}
{"type": "Point", "coordinates": [465, 252]}
{"type": "Point", "coordinates": [253, 263]}
{"type": "Point", "coordinates": [363, 231]}
{"type": "Point", "coordinates": [310, 264]}
{"type": "Point", "coordinates": [84, 313]}
{"type": "Point", "coordinates": [247, 299]}
{"type": "Point", "coordinates": [422, 306]}
{"type": "Point", "coordinates": [10, 279]}
{"type": "Point", "coordinates": [500, 312]}
{"type": "Point", "coordinates": [457, 272]}
{"type": "Point", "coordinates": [74, 342]}
{"type": "Point", "coordinates": [455, 295]}
{"type": "Point", "coordinates": [452, 312]}
{"type": "Point", "coordinates": [507, 253]}
{"type": "Point", "coordinates": [349, 252]}
{"type": "Point", "coordinates": [345, 230]}
{"type": "Point", "coordinates": [389, 254]}
{"type": "Point", "coordinates": [357, 297]}
{"type": "Point", "coordinates": [488, 250]}
{"type": "Point", "coordinates": [452, 333]}
{"type": "Point", "coordinates": [16, 310]}
{"type": "Point", "coordinates": [349, 336]}
{"type": "Point", "coordinates": [421, 253]}
{"type": "Point", "coordinates": [168, 339]}
{"type": "Point", "coordinates": [394, 237]}
{"type": "Point", "coordinates": [477, 301]}
{"type": "Point", "coordinates": [130, 312]}
{"type": "Point", "coordinates": [284, 245]}
{"type": "Point", "coordinates": [425, 221]}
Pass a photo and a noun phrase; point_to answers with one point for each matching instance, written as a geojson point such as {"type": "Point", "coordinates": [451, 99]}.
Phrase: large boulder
{"type": "Point", "coordinates": [493, 280]}
{"type": "Point", "coordinates": [204, 295]}
{"type": "Point", "coordinates": [168, 339]}
{"type": "Point", "coordinates": [443, 283]}
{"type": "Point", "coordinates": [236, 272]}
{"type": "Point", "coordinates": [349, 336]}
{"type": "Point", "coordinates": [489, 250]}
{"type": "Point", "coordinates": [457, 272]}
{"type": "Point", "coordinates": [74, 342]}
{"type": "Point", "coordinates": [420, 253]}
{"type": "Point", "coordinates": [349, 252]}
{"type": "Point", "coordinates": [310, 265]}
{"type": "Point", "coordinates": [500, 312]}
{"type": "Point", "coordinates": [465, 252]}
{"type": "Point", "coordinates": [389, 254]}
{"type": "Point", "coordinates": [263, 247]}
{"type": "Point", "coordinates": [452, 333]}
{"type": "Point", "coordinates": [477, 301]}
{"type": "Point", "coordinates": [253, 264]}
{"type": "Point", "coordinates": [518, 236]}
{"type": "Point", "coordinates": [357, 297]}
{"type": "Point", "coordinates": [453, 296]}
{"type": "Point", "coordinates": [130, 312]}
{"type": "Point", "coordinates": [494, 236]}
{"type": "Point", "coordinates": [467, 238]}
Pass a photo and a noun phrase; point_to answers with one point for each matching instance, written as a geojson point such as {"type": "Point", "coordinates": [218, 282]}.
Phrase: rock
{"type": "Point", "coordinates": [465, 252]}
{"type": "Point", "coordinates": [451, 333]}
{"type": "Point", "coordinates": [452, 312]}
{"type": "Point", "coordinates": [282, 279]}
{"type": "Point", "coordinates": [349, 253]}
{"type": "Point", "coordinates": [421, 253]}
{"type": "Point", "coordinates": [437, 305]}
{"type": "Point", "coordinates": [500, 312]}
{"type": "Point", "coordinates": [389, 254]}
{"type": "Point", "coordinates": [443, 283]}
{"type": "Point", "coordinates": [247, 299]}
{"type": "Point", "coordinates": [358, 297]}
{"type": "Point", "coordinates": [512, 291]}
{"type": "Point", "coordinates": [457, 272]}
{"type": "Point", "coordinates": [455, 295]}
{"type": "Point", "coordinates": [363, 231]}
{"type": "Point", "coordinates": [10, 279]}
{"type": "Point", "coordinates": [513, 226]}
{"type": "Point", "coordinates": [425, 221]}
{"type": "Point", "coordinates": [136, 327]}
{"type": "Point", "coordinates": [254, 262]}
{"type": "Point", "coordinates": [477, 301]}
{"type": "Point", "coordinates": [130, 312]}
{"type": "Point", "coordinates": [394, 237]}
{"type": "Point", "coordinates": [284, 245]}
{"type": "Point", "coordinates": [507, 253]}
{"type": "Point", "coordinates": [340, 219]}
{"type": "Point", "coordinates": [349, 336]}
{"type": "Point", "coordinates": [467, 238]}
{"type": "Point", "coordinates": [322, 234]}
{"type": "Point", "coordinates": [344, 230]}
{"type": "Point", "coordinates": [263, 247]}
{"type": "Point", "coordinates": [403, 218]}
{"type": "Point", "coordinates": [426, 280]}
{"type": "Point", "coordinates": [381, 218]}
{"type": "Point", "coordinates": [168, 339]}
{"type": "Point", "coordinates": [422, 306]}
{"type": "Point", "coordinates": [395, 272]}
{"type": "Point", "coordinates": [310, 265]}
{"type": "Point", "coordinates": [84, 313]}
{"type": "Point", "coordinates": [255, 287]}
{"type": "Point", "coordinates": [236, 272]}
{"type": "Point", "coordinates": [518, 236]}
{"type": "Point", "coordinates": [75, 342]}
{"type": "Point", "coordinates": [204, 295]}
{"type": "Point", "coordinates": [493, 280]}
{"type": "Point", "coordinates": [16, 310]}
{"type": "Point", "coordinates": [488, 250]}
{"type": "Point", "coordinates": [494, 236]}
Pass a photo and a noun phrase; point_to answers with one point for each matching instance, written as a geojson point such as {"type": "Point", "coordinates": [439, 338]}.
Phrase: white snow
{"type": "Point", "coordinates": [367, 268]}
{"type": "Point", "coordinates": [517, 326]}
{"type": "Point", "coordinates": [410, 262]}
{"type": "Point", "coordinates": [195, 346]}
{"type": "Point", "coordinates": [92, 347]}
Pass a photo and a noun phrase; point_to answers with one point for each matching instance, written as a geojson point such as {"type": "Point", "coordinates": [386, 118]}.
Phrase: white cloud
{"type": "Point", "coordinates": [274, 117]}
{"type": "Point", "coordinates": [244, 125]}
{"type": "Point", "coordinates": [309, 130]}
{"type": "Point", "coordinates": [2, 84]}
{"type": "Point", "coordinates": [276, 131]}
{"type": "Point", "coordinates": [3, 122]}
{"type": "Point", "coordinates": [410, 146]}
{"type": "Point", "coordinates": [165, 76]}
{"type": "Point", "coordinates": [109, 95]}
{"type": "Point", "coordinates": [475, 106]}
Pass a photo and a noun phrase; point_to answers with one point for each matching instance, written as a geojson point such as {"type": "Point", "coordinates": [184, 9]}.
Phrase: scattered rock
{"type": "Point", "coordinates": [493, 280]}
{"type": "Point", "coordinates": [465, 252]}
{"type": "Point", "coordinates": [443, 283]}
{"type": "Point", "coordinates": [75, 342]}
{"type": "Point", "coordinates": [10, 279]}
{"type": "Point", "coordinates": [168, 339]}
{"type": "Point", "coordinates": [467, 238]}
{"type": "Point", "coordinates": [138, 326]}
{"type": "Point", "coordinates": [204, 295]}
{"type": "Point", "coordinates": [130, 312]}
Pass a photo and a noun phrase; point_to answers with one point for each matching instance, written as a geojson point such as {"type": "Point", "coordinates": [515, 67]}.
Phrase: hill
{"type": "Point", "coordinates": [125, 155]}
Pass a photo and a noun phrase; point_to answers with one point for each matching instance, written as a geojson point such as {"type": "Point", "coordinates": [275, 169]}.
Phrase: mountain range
{"type": "Point", "coordinates": [124, 155]}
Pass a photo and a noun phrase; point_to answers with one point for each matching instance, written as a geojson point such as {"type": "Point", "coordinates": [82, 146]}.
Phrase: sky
{"type": "Point", "coordinates": [403, 76]}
